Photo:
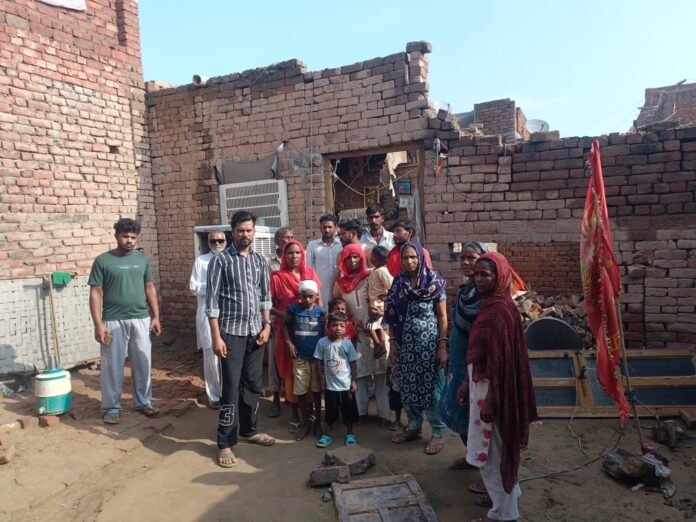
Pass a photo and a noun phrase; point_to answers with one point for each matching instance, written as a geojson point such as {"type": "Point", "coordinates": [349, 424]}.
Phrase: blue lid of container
{"type": "Point", "coordinates": [55, 370]}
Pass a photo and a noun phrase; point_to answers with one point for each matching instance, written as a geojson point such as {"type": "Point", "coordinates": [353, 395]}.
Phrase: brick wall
{"type": "Point", "coordinates": [671, 105]}
{"type": "Point", "coordinates": [74, 148]}
{"type": "Point", "coordinates": [497, 117]}
{"type": "Point", "coordinates": [364, 106]}
{"type": "Point", "coordinates": [74, 157]}
{"type": "Point", "coordinates": [528, 198]}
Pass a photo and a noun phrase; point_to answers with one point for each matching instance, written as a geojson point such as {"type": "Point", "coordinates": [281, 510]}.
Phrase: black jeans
{"type": "Point", "coordinates": [241, 384]}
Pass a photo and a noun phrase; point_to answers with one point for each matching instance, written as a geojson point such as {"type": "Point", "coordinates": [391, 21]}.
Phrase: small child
{"type": "Point", "coordinates": [338, 304]}
{"type": "Point", "coordinates": [336, 363]}
{"type": "Point", "coordinates": [375, 312]}
{"type": "Point", "coordinates": [378, 284]}
{"type": "Point", "coordinates": [303, 329]}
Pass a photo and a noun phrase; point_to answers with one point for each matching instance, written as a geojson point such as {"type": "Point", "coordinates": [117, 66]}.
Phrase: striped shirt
{"type": "Point", "coordinates": [238, 289]}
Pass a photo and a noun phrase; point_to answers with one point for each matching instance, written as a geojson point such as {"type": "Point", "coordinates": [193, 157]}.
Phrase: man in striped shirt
{"type": "Point", "coordinates": [238, 308]}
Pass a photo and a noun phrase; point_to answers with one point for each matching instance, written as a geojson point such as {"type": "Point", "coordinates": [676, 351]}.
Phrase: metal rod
{"type": "Point", "coordinates": [628, 377]}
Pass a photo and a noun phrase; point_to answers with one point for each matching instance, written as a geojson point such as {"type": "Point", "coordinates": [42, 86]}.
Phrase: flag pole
{"type": "Point", "coordinates": [630, 393]}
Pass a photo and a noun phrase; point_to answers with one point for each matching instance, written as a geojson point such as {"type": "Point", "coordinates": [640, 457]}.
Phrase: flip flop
{"type": "Point", "coordinates": [483, 501]}
{"type": "Point", "coordinates": [351, 440]}
{"type": "Point", "coordinates": [434, 446]}
{"type": "Point", "coordinates": [294, 427]}
{"type": "Point", "coordinates": [406, 436]}
{"type": "Point", "coordinates": [260, 439]}
{"type": "Point", "coordinates": [226, 455]}
{"type": "Point", "coordinates": [112, 418]}
{"type": "Point", "coordinates": [324, 441]}
{"type": "Point", "coordinates": [478, 487]}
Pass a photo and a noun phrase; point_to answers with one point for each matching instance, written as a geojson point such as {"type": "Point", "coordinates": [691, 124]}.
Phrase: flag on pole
{"type": "Point", "coordinates": [601, 284]}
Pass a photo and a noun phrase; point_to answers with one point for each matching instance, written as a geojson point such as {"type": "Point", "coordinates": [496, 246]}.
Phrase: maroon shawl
{"type": "Point", "coordinates": [498, 353]}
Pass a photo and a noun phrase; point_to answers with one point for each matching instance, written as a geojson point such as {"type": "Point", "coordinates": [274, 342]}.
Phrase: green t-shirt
{"type": "Point", "coordinates": [122, 279]}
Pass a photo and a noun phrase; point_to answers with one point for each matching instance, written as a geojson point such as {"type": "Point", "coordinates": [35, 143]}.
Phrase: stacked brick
{"type": "Point", "coordinates": [75, 153]}
{"type": "Point", "coordinates": [528, 198]}
{"type": "Point", "coordinates": [245, 116]}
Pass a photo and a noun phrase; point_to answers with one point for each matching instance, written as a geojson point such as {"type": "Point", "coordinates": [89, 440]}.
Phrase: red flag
{"type": "Point", "coordinates": [601, 284]}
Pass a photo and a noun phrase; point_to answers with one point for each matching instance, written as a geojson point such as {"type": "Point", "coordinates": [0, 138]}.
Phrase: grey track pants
{"type": "Point", "coordinates": [131, 338]}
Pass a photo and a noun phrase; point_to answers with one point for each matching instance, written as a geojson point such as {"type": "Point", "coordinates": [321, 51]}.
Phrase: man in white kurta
{"type": "Point", "coordinates": [322, 254]}
{"type": "Point", "coordinates": [211, 364]}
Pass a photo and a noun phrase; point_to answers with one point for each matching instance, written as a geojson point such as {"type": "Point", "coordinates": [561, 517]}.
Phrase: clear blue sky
{"type": "Point", "coordinates": [582, 66]}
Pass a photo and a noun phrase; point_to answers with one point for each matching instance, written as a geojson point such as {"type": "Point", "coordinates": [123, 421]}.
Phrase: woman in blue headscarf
{"type": "Point", "coordinates": [416, 313]}
{"type": "Point", "coordinates": [464, 313]}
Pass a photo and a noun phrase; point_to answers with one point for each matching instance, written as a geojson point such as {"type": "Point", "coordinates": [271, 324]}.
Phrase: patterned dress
{"type": "Point", "coordinates": [417, 354]}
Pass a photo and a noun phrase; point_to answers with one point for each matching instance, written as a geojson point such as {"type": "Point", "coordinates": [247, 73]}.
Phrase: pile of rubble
{"type": "Point", "coordinates": [569, 307]}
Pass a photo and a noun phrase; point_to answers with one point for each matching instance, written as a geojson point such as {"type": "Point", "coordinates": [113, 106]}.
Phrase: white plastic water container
{"type": "Point", "coordinates": [53, 392]}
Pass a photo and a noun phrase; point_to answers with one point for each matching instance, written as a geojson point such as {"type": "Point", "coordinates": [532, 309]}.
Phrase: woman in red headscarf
{"type": "Point", "coordinates": [285, 285]}
{"type": "Point", "coordinates": [352, 287]}
{"type": "Point", "coordinates": [500, 392]}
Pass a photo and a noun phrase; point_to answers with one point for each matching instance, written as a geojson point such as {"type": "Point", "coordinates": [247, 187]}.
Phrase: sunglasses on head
{"type": "Point", "coordinates": [216, 241]}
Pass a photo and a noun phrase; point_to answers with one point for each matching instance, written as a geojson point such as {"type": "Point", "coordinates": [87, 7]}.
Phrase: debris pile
{"type": "Point", "coordinates": [569, 307]}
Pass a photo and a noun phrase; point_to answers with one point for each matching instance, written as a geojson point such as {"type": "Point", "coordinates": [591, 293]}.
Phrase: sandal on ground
{"type": "Point", "coordinates": [461, 464]}
{"type": "Point", "coordinates": [478, 487]}
{"type": "Point", "coordinates": [406, 436]}
{"type": "Point", "coordinates": [395, 426]}
{"type": "Point", "coordinates": [324, 441]}
{"type": "Point", "coordinates": [350, 440]}
{"type": "Point", "coordinates": [112, 418]}
{"type": "Point", "coordinates": [149, 410]}
{"type": "Point", "coordinates": [434, 446]}
{"type": "Point", "coordinates": [303, 432]}
{"type": "Point", "coordinates": [215, 405]}
{"type": "Point", "coordinates": [260, 439]}
{"type": "Point", "coordinates": [226, 455]}
{"type": "Point", "coordinates": [294, 427]}
{"type": "Point", "coordinates": [482, 501]}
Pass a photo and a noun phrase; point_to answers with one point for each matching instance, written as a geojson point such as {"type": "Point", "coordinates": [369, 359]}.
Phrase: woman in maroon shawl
{"type": "Point", "coordinates": [285, 284]}
{"type": "Point", "coordinates": [501, 396]}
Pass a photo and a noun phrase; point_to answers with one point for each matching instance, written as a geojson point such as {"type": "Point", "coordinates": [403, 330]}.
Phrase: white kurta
{"type": "Point", "coordinates": [211, 363]}
{"type": "Point", "coordinates": [197, 284]}
{"type": "Point", "coordinates": [322, 258]}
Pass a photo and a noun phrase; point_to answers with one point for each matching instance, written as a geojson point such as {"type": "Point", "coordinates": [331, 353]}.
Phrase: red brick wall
{"type": "Point", "coordinates": [497, 117]}
{"type": "Point", "coordinates": [74, 152]}
{"type": "Point", "coordinates": [367, 105]}
{"type": "Point", "coordinates": [672, 104]}
{"type": "Point", "coordinates": [530, 196]}
{"type": "Point", "coordinates": [548, 267]}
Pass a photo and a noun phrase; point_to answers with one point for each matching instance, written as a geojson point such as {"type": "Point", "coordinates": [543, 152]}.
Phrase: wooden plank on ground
{"type": "Point", "coordinates": [393, 498]}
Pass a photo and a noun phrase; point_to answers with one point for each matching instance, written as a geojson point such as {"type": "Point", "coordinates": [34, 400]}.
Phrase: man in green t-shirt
{"type": "Point", "coordinates": [124, 308]}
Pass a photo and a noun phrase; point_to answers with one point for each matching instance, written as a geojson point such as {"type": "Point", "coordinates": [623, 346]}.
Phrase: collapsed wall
{"type": "Point", "coordinates": [75, 158]}
{"type": "Point", "coordinates": [528, 198]}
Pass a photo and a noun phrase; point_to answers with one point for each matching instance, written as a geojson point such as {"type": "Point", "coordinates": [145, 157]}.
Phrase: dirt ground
{"type": "Point", "coordinates": [163, 468]}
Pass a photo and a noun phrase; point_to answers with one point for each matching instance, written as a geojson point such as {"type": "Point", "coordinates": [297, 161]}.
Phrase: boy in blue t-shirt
{"type": "Point", "coordinates": [336, 363]}
{"type": "Point", "coordinates": [303, 328]}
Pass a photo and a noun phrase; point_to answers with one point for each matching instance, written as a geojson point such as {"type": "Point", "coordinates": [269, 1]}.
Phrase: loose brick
{"type": "Point", "coordinates": [328, 475]}
{"type": "Point", "coordinates": [49, 421]}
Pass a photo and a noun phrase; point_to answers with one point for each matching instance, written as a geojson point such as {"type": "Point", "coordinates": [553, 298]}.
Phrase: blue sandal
{"type": "Point", "coordinates": [350, 440]}
{"type": "Point", "coordinates": [324, 441]}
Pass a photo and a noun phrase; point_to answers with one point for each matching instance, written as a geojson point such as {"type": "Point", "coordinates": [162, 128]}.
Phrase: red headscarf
{"type": "Point", "coordinates": [348, 282]}
{"type": "Point", "coordinates": [498, 353]}
{"type": "Point", "coordinates": [285, 286]}
{"type": "Point", "coordinates": [305, 273]}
